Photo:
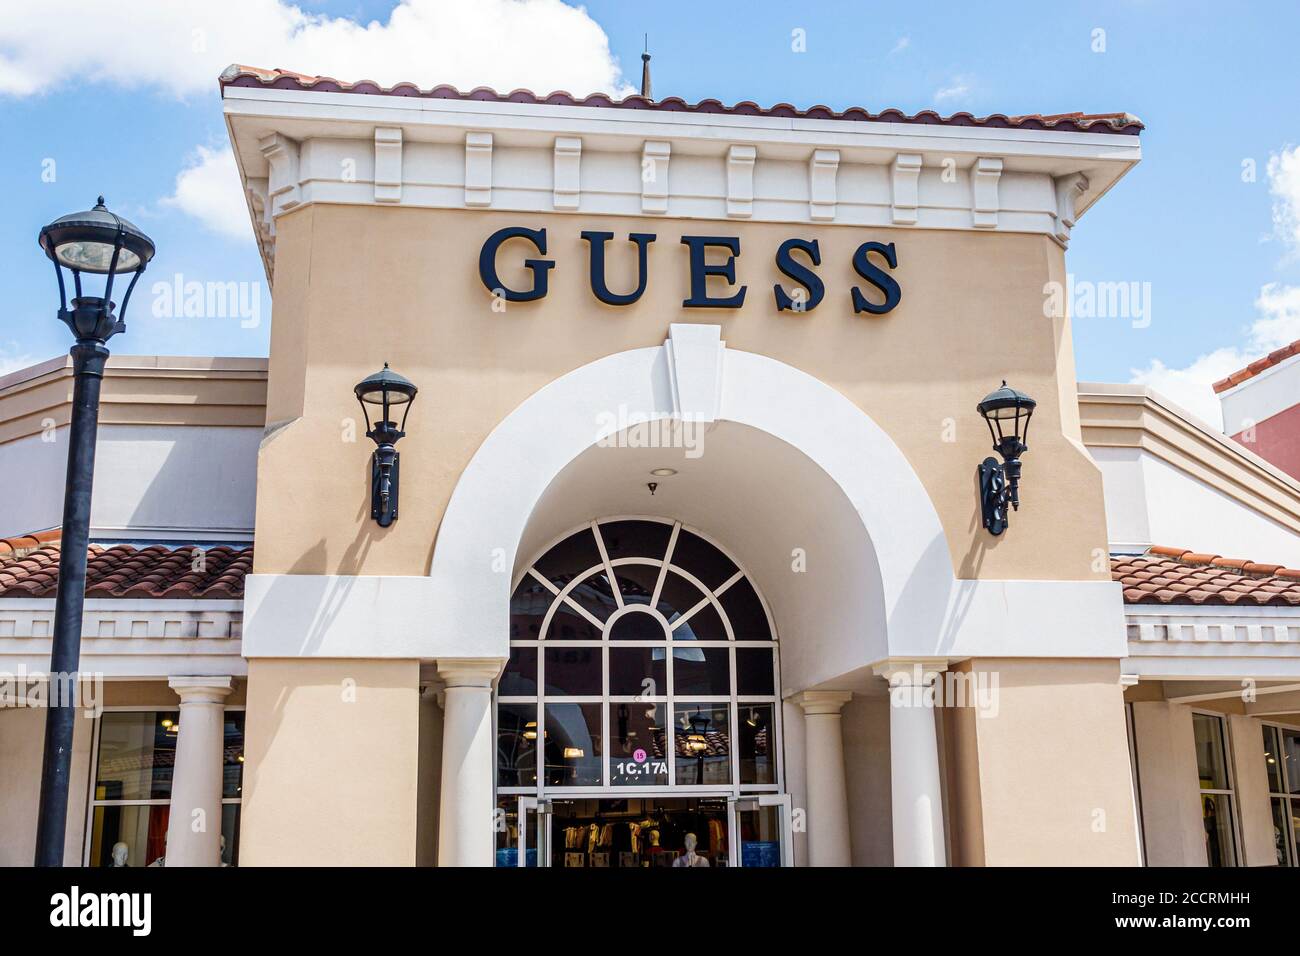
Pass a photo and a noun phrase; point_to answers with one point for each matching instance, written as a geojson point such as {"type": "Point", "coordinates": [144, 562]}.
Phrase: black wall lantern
{"type": "Point", "coordinates": [1007, 413]}
{"type": "Point", "coordinates": [386, 389]}
{"type": "Point", "coordinates": [96, 242]}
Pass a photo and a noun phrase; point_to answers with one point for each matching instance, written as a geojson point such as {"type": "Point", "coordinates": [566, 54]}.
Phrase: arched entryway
{"type": "Point", "coordinates": [638, 719]}
{"type": "Point", "coordinates": [833, 525]}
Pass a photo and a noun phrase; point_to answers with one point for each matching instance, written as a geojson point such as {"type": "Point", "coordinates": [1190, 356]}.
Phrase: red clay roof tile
{"type": "Point", "coordinates": [1275, 357]}
{"type": "Point", "coordinates": [1177, 576]}
{"type": "Point", "coordinates": [252, 76]}
{"type": "Point", "coordinates": [124, 571]}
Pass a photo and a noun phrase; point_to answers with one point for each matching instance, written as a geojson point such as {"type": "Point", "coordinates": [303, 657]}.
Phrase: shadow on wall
{"type": "Point", "coordinates": [192, 480]}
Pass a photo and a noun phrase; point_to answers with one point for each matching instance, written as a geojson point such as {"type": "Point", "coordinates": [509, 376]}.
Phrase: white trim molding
{"type": "Point", "coordinates": [766, 168]}
{"type": "Point", "coordinates": [125, 638]}
{"type": "Point", "coordinates": [1212, 643]}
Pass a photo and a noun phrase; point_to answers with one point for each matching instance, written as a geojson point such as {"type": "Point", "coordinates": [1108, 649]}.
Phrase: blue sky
{"type": "Point", "coordinates": [1216, 90]}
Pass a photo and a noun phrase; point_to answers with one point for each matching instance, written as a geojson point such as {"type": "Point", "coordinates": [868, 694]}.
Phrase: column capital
{"type": "Point", "coordinates": [820, 702]}
{"type": "Point", "coordinates": [910, 671]}
{"type": "Point", "coordinates": [201, 690]}
{"type": "Point", "coordinates": [469, 671]}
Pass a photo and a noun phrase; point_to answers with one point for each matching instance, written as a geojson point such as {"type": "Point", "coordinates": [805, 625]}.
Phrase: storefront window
{"type": "Point", "coordinates": [1216, 790]}
{"type": "Point", "coordinates": [641, 657]}
{"type": "Point", "coordinates": [703, 744]}
{"type": "Point", "coordinates": [135, 758]}
{"type": "Point", "coordinates": [1282, 764]}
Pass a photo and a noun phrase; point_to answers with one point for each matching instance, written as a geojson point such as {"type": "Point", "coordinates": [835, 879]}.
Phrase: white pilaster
{"type": "Point", "coordinates": [915, 788]}
{"type": "Point", "coordinates": [466, 811]}
{"type": "Point", "coordinates": [478, 168]}
{"type": "Point", "coordinates": [567, 172]}
{"type": "Point", "coordinates": [906, 176]}
{"type": "Point", "coordinates": [985, 202]}
{"type": "Point", "coordinates": [740, 181]}
{"type": "Point", "coordinates": [828, 797]}
{"type": "Point", "coordinates": [655, 156]}
{"type": "Point", "coordinates": [388, 164]}
{"type": "Point", "coordinates": [194, 823]}
{"type": "Point", "coordinates": [823, 167]}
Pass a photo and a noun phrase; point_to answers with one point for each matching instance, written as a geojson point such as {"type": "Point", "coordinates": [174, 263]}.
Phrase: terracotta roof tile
{"type": "Point", "coordinates": [252, 76]}
{"type": "Point", "coordinates": [1177, 576]}
{"type": "Point", "coordinates": [1276, 357]}
{"type": "Point", "coordinates": [125, 571]}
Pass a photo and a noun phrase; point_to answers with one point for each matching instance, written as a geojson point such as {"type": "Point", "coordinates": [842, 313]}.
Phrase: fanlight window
{"type": "Point", "coordinates": [641, 656]}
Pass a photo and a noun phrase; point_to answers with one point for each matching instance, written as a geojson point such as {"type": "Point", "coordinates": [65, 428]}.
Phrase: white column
{"type": "Point", "coordinates": [915, 789]}
{"type": "Point", "coordinates": [828, 796]}
{"type": "Point", "coordinates": [466, 810]}
{"type": "Point", "coordinates": [194, 823]}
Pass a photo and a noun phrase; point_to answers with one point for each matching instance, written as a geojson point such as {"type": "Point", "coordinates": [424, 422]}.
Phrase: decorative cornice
{"type": "Point", "coordinates": [689, 163]}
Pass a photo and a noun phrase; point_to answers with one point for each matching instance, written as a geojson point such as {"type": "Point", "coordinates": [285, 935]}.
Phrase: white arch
{"type": "Point", "coordinates": [692, 376]}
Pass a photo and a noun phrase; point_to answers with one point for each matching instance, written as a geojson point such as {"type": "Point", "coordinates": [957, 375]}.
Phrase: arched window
{"type": "Point", "coordinates": [641, 657]}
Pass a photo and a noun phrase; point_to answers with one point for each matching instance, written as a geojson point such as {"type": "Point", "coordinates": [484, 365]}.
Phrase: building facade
{"type": "Point", "coordinates": [689, 566]}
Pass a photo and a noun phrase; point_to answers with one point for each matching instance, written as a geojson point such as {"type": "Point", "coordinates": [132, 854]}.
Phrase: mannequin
{"type": "Point", "coordinates": [121, 853]}
{"type": "Point", "coordinates": [222, 857]}
{"type": "Point", "coordinates": [690, 857]}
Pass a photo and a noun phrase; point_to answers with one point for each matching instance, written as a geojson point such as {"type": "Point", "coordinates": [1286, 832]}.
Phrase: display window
{"type": "Point", "coordinates": [1218, 798]}
{"type": "Point", "coordinates": [134, 760]}
{"type": "Point", "coordinates": [1282, 764]}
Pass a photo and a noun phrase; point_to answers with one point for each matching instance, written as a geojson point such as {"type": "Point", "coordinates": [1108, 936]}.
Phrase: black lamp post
{"type": "Point", "coordinates": [95, 242]}
{"type": "Point", "coordinates": [385, 388]}
{"type": "Point", "coordinates": [1007, 413]}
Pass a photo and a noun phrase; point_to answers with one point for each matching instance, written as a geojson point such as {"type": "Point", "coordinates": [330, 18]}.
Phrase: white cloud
{"type": "Point", "coordinates": [11, 360]}
{"type": "Point", "coordinates": [209, 190]}
{"type": "Point", "coordinates": [1277, 307]}
{"type": "Point", "coordinates": [1190, 387]}
{"type": "Point", "coordinates": [902, 44]}
{"type": "Point", "coordinates": [1284, 184]}
{"type": "Point", "coordinates": [181, 46]}
{"type": "Point", "coordinates": [1278, 324]}
{"type": "Point", "coordinates": [958, 89]}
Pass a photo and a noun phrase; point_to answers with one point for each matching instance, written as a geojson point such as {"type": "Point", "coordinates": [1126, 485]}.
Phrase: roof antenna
{"type": "Point", "coordinates": [645, 70]}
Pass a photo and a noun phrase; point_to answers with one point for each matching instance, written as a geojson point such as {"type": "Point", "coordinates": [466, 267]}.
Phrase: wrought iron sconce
{"type": "Point", "coordinates": [1007, 413]}
{"type": "Point", "coordinates": [385, 389]}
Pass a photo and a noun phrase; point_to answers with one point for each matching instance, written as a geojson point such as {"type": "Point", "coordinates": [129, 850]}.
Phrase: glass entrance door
{"type": "Point", "coordinates": [532, 837]}
{"type": "Point", "coordinates": [761, 824]}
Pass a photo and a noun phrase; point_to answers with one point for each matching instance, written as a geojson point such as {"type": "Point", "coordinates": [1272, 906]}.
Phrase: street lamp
{"type": "Point", "coordinates": [385, 389]}
{"type": "Point", "coordinates": [95, 242]}
{"type": "Point", "coordinates": [1007, 413]}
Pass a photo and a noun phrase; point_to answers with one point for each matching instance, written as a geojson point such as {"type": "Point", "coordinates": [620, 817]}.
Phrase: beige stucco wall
{"type": "Point", "coordinates": [22, 743]}
{"type": "Point", "coordinates": [356, 286]}
{"type": "Point", "coordinates": [332, 765]}
{"type": "Point", "coordinates": [963, 819]}
{"type": "Point", "coordinates": [1251, 779]}
{"type": "Point", "coordinates": [865, 724]}
{"type": "Point", "coordinates": [1053, 765]}
{"type": "Point", "coordinates": [430, 774]}
{"type": "Point", "coordinates": [1171, 809]}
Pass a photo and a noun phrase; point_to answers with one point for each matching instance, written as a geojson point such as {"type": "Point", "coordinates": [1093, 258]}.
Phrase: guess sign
{"type": "Point", "coordinates": [708, 256]}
